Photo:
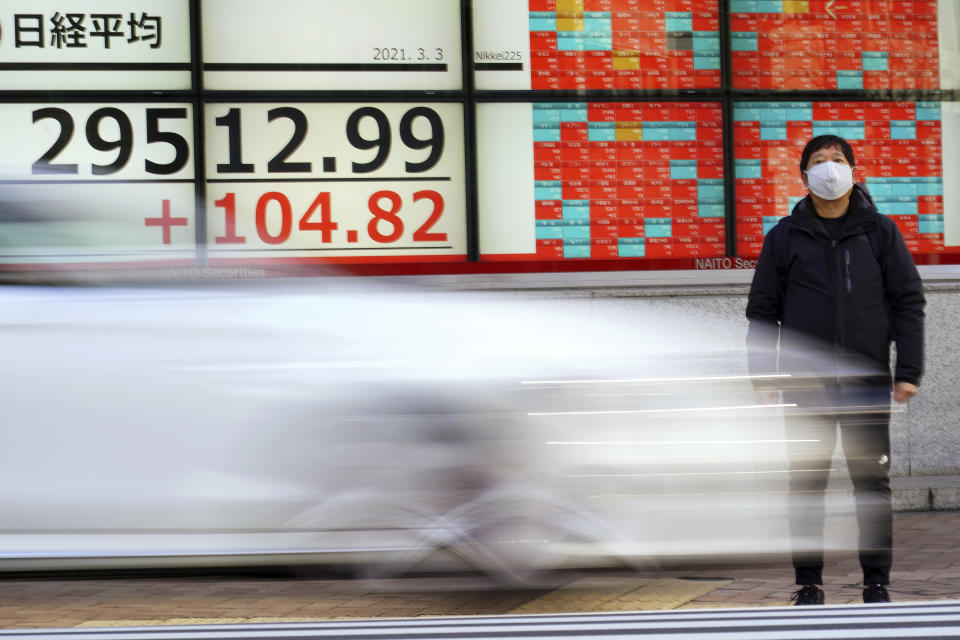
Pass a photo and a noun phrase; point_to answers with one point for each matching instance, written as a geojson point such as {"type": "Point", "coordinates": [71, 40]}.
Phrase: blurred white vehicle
{"type": "Point", "coordinates": [315, 423]}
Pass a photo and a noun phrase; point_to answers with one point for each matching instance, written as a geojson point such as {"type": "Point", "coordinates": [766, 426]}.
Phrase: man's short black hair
{"type": "Point", "coordinates": [825, 142]}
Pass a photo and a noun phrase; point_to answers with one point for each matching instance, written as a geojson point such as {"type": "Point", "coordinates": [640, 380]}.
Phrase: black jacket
{"type": "Point", "coordinates": [850, 297]}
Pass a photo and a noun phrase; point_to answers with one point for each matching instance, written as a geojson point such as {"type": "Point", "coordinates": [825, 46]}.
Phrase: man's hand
{"type": "Point", "coordinates": [903, 391]}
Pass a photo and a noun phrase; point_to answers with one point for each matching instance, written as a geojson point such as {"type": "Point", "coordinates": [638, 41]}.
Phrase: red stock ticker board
{"type": "Point", "coordinates": [834, 44]}
{"type": "Point", "coordinates": [624, 44]}
{"type": "Point", "coordinates": [628, 180]}
{"type": "Point", "coordinates": [898, 151]}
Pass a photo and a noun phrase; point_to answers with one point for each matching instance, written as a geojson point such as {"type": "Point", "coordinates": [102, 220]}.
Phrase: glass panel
{"type": "Point", "coordinates": [335, 182]}
{"type": "Point", "coordinates": [95, 45]}
{"type": "Point", "coordinates": [597, 44]}
{"type": "Point", "coordinates": [600, 180]}
{"type": "Point", "coordinates": [94, 183]}
{"type": "Point", "coordinates": [900, 154]}
{"type": "Point", "coordinates": [844, 45]}
{"type": "Point", "coordinates": [309, 45]}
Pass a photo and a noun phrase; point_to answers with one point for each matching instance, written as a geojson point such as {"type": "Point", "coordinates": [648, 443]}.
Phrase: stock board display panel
{"type": "Point", "coordinates": [327, 45]}
{"type": "Point", "coordinates": [103, 45]}
{"type": "Point", "coordinates": [335, 182]}
{"type": "Point", "coordinates": [842, 44]}
{"type": "Point", "coordinates": [597, 44]}
{"type": "Point", "coordinates": [122, 191]}
{"type": "Point", "coordinates": [600, 180]}
{"type": "Point", "coordinates": [900, 150]}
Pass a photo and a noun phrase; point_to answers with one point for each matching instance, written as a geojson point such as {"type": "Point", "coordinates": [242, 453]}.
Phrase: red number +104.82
{"type": "Point", "coordinates": [385, 226]}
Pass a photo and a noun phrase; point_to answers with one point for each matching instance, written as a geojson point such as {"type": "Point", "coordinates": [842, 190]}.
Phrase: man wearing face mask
{"type": "Point", "coordinates": [836, 284]}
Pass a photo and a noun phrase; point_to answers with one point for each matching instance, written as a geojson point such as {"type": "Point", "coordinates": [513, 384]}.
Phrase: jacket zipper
{"type": "Point", "coordinates": [837, 311]}
{"type": "Point", "coordinates": [846, 259]}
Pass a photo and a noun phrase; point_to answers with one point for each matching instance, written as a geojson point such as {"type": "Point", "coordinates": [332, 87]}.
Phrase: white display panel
{"type": "Point", "coordinates": [89, 183]}
{"type": "Point", "coordinates": [332, 45]}
{"type": "Point", "coordinates": [501, 44]}
{"type": "Point", "coordinates": [950, 114]}
{"type": "Point", "coordinates": [505, 179]}
{"type": "Point", "coordinates": [949, 35]}
{"type": "Point", "coordinates": [352, 182]}
{"type": "Point", "coordinates": [103, 45]}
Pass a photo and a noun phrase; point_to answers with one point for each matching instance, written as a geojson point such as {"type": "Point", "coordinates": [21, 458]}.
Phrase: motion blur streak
{"type": "Point", "coordinates": [659, 380]}
{"type": "Point", "coordinates": [677, 475]}
{"type": "Point", "coordinates": [680, 410]}
{"type": "Point", "coordinates": [674, 442]}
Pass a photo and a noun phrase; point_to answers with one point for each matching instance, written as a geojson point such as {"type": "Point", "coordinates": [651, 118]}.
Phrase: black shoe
{"type": "Point", "coordinates": [875, 593]}
{"type": "Point", "coordinates": [809, 594]}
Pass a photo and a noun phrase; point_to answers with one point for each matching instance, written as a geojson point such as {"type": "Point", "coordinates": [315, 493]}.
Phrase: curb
{"type": "Point", "coordinates": [925, 493]}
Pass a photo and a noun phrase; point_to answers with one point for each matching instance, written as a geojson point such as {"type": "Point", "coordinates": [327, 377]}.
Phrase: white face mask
{"type": "Point", "coordinates": [830, 180]}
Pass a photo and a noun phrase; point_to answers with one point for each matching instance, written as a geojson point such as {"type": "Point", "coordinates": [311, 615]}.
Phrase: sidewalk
{"type": "Point", "coordinates": [926, 567]}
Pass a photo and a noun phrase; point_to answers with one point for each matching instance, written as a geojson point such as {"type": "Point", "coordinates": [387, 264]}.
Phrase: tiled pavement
{"type": "Point", "coordinates": [926, 567]}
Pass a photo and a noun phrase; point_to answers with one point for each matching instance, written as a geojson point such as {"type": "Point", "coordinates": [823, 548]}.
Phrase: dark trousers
{"type": "Point", "coordinates": [864, 425]}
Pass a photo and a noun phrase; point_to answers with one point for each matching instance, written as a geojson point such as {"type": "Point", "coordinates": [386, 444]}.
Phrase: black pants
{"type": "Point", "coordinates": [864, 423]}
